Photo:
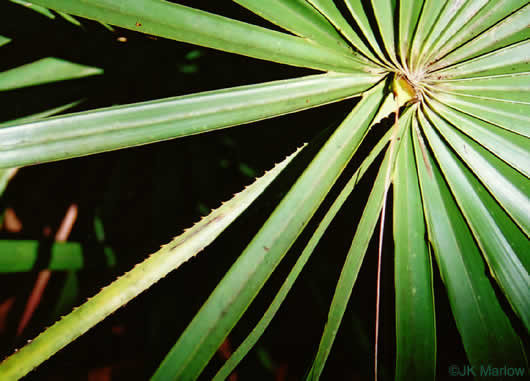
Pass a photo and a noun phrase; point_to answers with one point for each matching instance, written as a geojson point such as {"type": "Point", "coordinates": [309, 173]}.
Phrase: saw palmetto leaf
{"type": "Point", "coordinates": [458, 165]}
{"type": "Point", "coordinates": [125, 288]}
{"type": "Point", "coordinates": [497, 235]}
{"type": "Point", "coordinates": [45, 70]}
{"type": "Point", "coordinates": [252, 338]}
{"type": "Point", "coordinates": [474, 23]}
{"type": "Point", "coordinates": [508, 115]}
{"type": "Point", "coordinates": [416, 354]}
{"type": "Point", "coordinates": [507, 87]}
{"type": "Point", "coordinates": [157, 18]}
{"type": "Point", "coordinates": [508, 186]}
{"type": "Point", "coordinates": [486, 331]}
{"type": "Point", "coordinates": [301, 19]}
{"type": "Point", "coordinates": [409, 13]}
{"type": "Point", "coordinates": [509, 31]}
{"type": "Point", "coordinates": [356, 254]}
{"type": "Point", "coordinates": [125, 126]}
{"type": "Point", "coordinates": [37, 8]}
{"type": "Point", "coordinates": [330, 11]}
{"type": "Point", "coordinates": [384, 15]}
{"type": "Point", "coordinates": [429, 14]}
{"type": "Point", "coordinates": [451, 18]}
{"type": "Point", "coordinates": [219, 314]}
{"type": "Point", "coordinates": [507, 145]}
{"type": "Point", "coordinates": [508, 60]}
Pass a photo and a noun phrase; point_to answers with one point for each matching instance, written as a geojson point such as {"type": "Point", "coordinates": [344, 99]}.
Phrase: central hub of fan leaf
{"type": "Point", "coordinates": [404, 91]}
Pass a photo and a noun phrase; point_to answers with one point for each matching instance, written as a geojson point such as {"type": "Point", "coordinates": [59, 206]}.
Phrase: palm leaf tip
{"type": "Point", "coordinates": [125, 288]}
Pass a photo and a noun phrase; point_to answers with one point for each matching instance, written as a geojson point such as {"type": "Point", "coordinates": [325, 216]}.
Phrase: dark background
{"type": "Point", "coordinates": [146, 195]}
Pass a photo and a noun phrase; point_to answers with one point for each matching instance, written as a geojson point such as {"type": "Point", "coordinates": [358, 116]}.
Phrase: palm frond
{"type": "Point", "coordinates": [459, 174]}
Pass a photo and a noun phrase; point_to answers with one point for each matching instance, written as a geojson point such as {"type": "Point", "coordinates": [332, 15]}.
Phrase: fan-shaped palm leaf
{"type": "Point", "coordinates": [457, 164]}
